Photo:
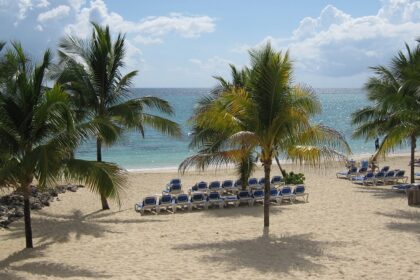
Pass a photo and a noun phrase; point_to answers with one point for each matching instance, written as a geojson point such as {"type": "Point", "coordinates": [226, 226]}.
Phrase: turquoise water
{"type": "Point", "coordinates": [158, 151]}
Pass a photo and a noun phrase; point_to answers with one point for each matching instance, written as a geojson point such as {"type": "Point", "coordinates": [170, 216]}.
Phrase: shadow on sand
{"type": "Point", "coordinates": [382, 192]}
{"type": "Point", "coordinates": [49, 229]}
{"type": "Point", "coordinates": [266, 253]}
{"type": "Point", "coordinates": [412, 224]}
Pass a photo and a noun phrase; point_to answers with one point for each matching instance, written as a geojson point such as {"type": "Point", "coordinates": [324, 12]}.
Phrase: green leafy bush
{"type": "Point", "coordinates": [294, 178]}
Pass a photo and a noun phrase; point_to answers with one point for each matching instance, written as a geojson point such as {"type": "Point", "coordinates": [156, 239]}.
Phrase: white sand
{"type": "Point", "coordinates": [344, 232]}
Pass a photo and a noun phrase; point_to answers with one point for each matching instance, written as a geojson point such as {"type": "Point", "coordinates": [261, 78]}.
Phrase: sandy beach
{"type": "Point", "coordinates": [346, 231]}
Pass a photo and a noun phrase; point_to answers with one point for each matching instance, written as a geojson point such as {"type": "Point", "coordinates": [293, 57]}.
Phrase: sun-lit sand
{"type": "Point", "coordinates": [346, 231]}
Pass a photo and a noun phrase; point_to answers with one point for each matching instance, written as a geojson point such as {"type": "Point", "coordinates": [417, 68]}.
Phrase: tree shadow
{"type": "Point", "coordinates": [266, 253]}
{"type": "Point", "coordinates": [245, 210]}
{"type": "Point", "coordinates": [48, 227]}
{"type": "Point", "coordinates": [10, 266]}
{"type": "Point", "coordinates": [411, 225]}
{"type": "Point", "coordinates": [380, 192]}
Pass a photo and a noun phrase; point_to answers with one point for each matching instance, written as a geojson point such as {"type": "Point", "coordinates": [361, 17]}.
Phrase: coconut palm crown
{"type": "Point", "coordinates": [38, 135]}
{"type": "Point", "coordinates": [91, 72]}
{"type": "Point", "coordinates": [261, 114]}
{"type": "Point", "coordinates": [395, 110]}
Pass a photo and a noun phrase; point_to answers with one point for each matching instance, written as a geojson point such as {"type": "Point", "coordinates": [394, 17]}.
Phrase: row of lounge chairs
{"type": "Point", "coordinates": [384, 176]}
{"type": "Point", "coordinates": [204, 200]}
{"type": "Point", "coordinates": [226, 186]}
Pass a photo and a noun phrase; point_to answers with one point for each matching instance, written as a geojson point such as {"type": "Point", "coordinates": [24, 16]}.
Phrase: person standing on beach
{"type": "Point", "coordinates": [377, 144]}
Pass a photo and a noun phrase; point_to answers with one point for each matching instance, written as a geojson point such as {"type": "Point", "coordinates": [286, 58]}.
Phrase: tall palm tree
{"type": "Point", "coordinates": [263, 117]}
{"type": "Point", "coordinates": [38, 135]}
{"type": "Point", "coordinates": [395, 112]}
{"type": "Point", "coordinates": [91, 72]}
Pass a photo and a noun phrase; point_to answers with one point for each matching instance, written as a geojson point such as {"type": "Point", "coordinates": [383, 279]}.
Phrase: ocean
{"type": "Point", "coordinates": [155, 151]}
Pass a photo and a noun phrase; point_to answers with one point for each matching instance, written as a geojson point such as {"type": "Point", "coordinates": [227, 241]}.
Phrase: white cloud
{"type": "Point", "coordinates": [147, 40]}
{"type": "Point", "coordinates": [336, 44]}
{"type": "Point", "coordinates": [151, 29]}
{"type": "Point", "coordinates": [212, 63]}
{"type": "Point", "coordinates": [57, 12]}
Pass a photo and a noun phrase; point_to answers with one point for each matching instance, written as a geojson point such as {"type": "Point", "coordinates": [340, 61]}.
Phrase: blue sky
{"type": "Point", "coordinates": [183, 43]}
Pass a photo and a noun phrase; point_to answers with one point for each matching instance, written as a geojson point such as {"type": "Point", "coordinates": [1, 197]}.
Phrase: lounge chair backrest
{"type": "Point", "coordinates": [165, 199]}
{"type": "Point", "coordinates": [227, 184]}
{"type": "Point", "coordinates": [197, 197]}
{"type": "Point", "coordinates": [201, 185]}
{"type": "Point", "coordinates": [258, 193]}
{"type": "Point", "coordinates": [244, 194]}
{"type": "Point", "coordinates": [385, 169]}
{"type": "Point", "coordinates": [390, 173]}
{"type": "Point", "coordinates": [380, 174]}
{"type": "Point", "coordinates": [175, 187]}
{"type": "Point", "coordinates": [261, 181]}
{"type": "Point", "coordinates": [182, 198]}
{"type": "Point", "coordinates": [299, 189]}
{"type": "Point", "coordinates": [400, 173]}
{"type": "Point", "coordinates": [175, 181]}
{"type": "Point", "coordinates": [369, 175]}
{"type": "Point", "coordinates": [276, 179]}
{"type": "Point", "coordinates": [286, 190]}
{"type": "Point", "coordinates": [364, 164]}
{"type": "Point", "coordinates": [252, 181]}
{"type": "Point", "coordinates": [362, 169]}
{"type": "Point", "coordinates": [214, 185]}
{"type": "Point", "coordinates": [274, 192]}
{"type": "Point", "coordinates": [214, 195]}
{"type": "Point", "coordinates": [352, 170]}
{"type": "Point", "coordinates": [238, 183]}
{"type": "Point", "coordinates": [150, 200]}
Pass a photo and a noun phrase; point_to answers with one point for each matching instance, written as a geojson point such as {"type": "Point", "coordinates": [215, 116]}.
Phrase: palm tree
{"type": "Point", "coordinates": [38, 135]}
{"type": "Point", "coordinates": [395, 112]}
{"type": "Point", "coordinates": [263, 117]}
{"type": "Point", "coordinates": [91, 72]}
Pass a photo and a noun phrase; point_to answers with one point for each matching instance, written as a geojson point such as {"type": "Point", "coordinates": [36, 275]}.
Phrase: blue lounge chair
{"type": "Point", "coordinates": [227, 186]}
{"type": "Point", "coordinates": [181, 201]}
{"type": "Point", "coordinates": [173, 189]}
{"type": "Point", "coordinates": [214, 198]}
{"type": "Point", "coordinates": [364, 164]}
{"type": "Point", "coordinates": [245, 196]}
{"type": "Point", "coordinates": [215, 186]}
{"type": "Point", "coordinates": [165, 202]}
{"type": "Point", "coordinates": [238, 184]}
{"type": "Point", "coordinates": [258, 196]}
{"type": "Point", "coordinates": [274, 195]}
{"type": "Point", "coordinates": [400, 176]}
{"type": "Point", "coordinates": [198, 200]}
{"type": "Point", "coordinates": [384, 169]}
{"type": "Point", "coordinates": [199, 187]}
{"type": "Point", "coordinates": [261, 182]}
{"type": "Point", "coordinates": [389, 177]}
{"type": "Point", "coordinates": [366, 179]}
{"type": "Point", "coordinates": [299, 191]}
{"type": "Point", "coordinates": [253, 183]}
{"type": "Point", "coordinates": [379, 177]}
{"type": "Point", "coordinates": [277, 180]}
{"type": "Point", "coordinates": [286, 194]}
{"type": "Point", "coordinates": [148, 203]}
{"type": "Point", "coordinates": [347, 174]}
{"type": "Point", "coordinates": [174, 182]}
{"type": "Point", "coordinates": [405, 187]}
{"type": "Point", "coordinates": [231, 199]}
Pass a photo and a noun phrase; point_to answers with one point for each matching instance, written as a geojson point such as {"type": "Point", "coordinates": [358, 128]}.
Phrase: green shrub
{"type": "Point", "coordinates": [294, 178]}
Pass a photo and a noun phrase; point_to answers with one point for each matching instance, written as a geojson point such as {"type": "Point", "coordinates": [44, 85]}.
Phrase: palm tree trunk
{"type": "Point", "coordinates": [105, 205]}
{"type": "Point", "coordinates": [27, 214]}
{"type": "Point", "coordinates": [267, 170]}
{"type": "Point", "coordinates": [413, 151]}
{"type": "Point", "coordinates": [283, 172]}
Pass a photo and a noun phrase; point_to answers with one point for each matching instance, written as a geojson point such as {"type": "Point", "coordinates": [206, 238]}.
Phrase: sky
{"type": "Point", "coordinates": [184, 43]}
